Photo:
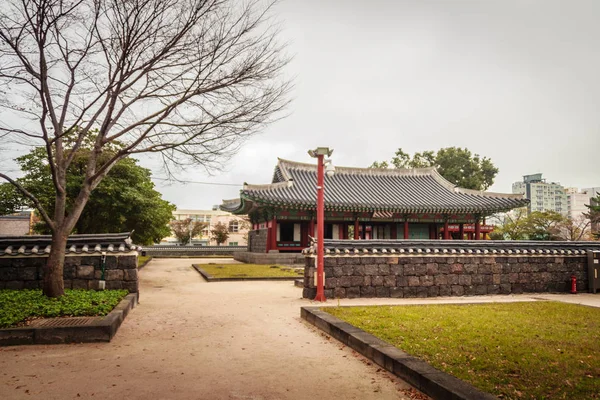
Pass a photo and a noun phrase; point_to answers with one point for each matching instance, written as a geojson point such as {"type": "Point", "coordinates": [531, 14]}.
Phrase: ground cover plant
{"type": "Point", "coordinates": [142, 260]}
{"type": "Point", "coordinates": [527, 350]}
{"type": "Point", "coordinates": [19, 306]}
{"type": "Point", "coordinates": [250, 271]}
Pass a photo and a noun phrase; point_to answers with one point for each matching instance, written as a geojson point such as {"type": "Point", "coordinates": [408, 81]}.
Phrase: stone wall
{"type": "Point", "coordinates": [293, 259]}
{"type": "Point", "coordinates": [257, 241]}
{"type": "Point", "coordinates": [191, 251]}
{"type": "Point", "coordinates": [422, 276]}
{"type": "Point", "coordinates": [80, 272]}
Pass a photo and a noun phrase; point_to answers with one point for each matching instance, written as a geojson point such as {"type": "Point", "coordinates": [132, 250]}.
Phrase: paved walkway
{"type": "Point", "coordinates": [189, 339]}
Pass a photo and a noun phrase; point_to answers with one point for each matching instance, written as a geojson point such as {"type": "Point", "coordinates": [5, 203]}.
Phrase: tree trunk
{"type": "Point", "coordinates": [54, 285]}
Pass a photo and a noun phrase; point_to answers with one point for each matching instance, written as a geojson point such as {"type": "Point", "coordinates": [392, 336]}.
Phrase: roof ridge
{"type": "Point", "coordinates": [373, 171]}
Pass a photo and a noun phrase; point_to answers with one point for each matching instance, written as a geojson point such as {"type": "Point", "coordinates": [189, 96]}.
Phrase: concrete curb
{"type": "Point", "coordinates": [102, 330]}
{"type": "Point", "coordinates": [435, 383]}
{"type": "Point", "coordinates": [209, 278]}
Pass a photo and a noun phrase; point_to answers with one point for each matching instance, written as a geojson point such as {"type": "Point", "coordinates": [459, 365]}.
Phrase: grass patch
{"type": "Point", "coordinates": [534, 350]}
{"type": "Point", "coordinates": [142, 260]}
{"type": "Point", "coordinates": [19, 306]}
{"type": "Point", "coordinates": [250, 271]}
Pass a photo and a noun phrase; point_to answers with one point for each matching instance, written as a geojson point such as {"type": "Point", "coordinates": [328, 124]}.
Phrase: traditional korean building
{"type": "Point", "coordinates": [364, 203]}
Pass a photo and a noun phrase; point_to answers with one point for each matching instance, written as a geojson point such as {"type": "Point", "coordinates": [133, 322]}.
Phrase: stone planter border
{"type": "Point", "coordinates": [209, 278]}
{"type": "Point", "coordinates": [431, 381]}
{"type": "Point", "coordinates": [101, 330]}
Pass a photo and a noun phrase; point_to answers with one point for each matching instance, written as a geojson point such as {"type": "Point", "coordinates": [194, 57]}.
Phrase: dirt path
{"type": "Point", "coordinates": [188, 339]}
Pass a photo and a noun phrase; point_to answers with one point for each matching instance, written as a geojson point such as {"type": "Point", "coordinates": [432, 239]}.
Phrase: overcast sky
{"type": "Point", "coordinates": [514, 80]}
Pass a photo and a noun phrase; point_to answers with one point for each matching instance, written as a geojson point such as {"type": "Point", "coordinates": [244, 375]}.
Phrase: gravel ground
{"type": "Point", "coordinates": [188, 339]}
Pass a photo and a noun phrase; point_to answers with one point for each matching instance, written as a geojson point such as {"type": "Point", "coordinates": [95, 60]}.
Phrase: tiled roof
{"type": "Point", "coordinates": [421, 190]}
{"type": "Point", "coordinates": [453, 247]}
{"type": "Point", "coordinates": [39, 245]}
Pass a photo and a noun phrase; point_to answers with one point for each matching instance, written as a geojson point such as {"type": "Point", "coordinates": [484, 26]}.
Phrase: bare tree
{"type": "Point", "coordinates": [575, 229]}
{"type": "Point", "coordinates": [188, 79]}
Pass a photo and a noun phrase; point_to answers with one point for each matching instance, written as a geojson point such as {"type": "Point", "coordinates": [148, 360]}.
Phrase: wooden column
{"type": "Point", "coordinates": [446, 232]}
{"type": "Point", "coordinates": [274, 234]}
{"type": "Point", "coordinates": [356, 237]}
{"type": "Point", "coordinates": [394, 231]}
{"type": "Point", "coordinates": [477, 229]}
{"type": "Point", "coordinates": [461, 231]}
{"type": "Point", "coordinates": [405, 229]}
{"type": "Point", "coordinates": [341, 233]}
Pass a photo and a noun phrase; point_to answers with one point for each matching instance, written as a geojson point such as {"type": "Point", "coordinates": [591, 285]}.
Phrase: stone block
{"type": "Point", "coordinates": [328, 293]}
{"type": "Point", "coordinates": [337, 271]}
{"type": "Point", "coordinates": [112, 285]}
{"type": "Point", "coordinates": [14, 285]}
{"type": "Point", "coordinates": [377, 280]}
{"type": "Point", "coordinates": [68, 283]}
{"type": "Point", "coordinates": [9, 274]}
{"type": "Point", "coordinates": [32, 284]}
{"type": "Point", "coordinates": [392, 260]}
{"type": "Point", "coordinates": [493, 289]}
{"type": "Point", "coordinates": [339, 293]}
{"type": "Point", "coordinates": [413, 281]}
{"type": "Point", "coordinates": [331, 282]}
{"type": "Point", "coordinates": [452, 279]}
{"type": "Point", "coordinates": [357, 280]}
{"type": "Point", "coordinates": [130, 262]}
{"type": "Point", "coordinates": [382, 291]}
{"type": "Point", "coordinates": [348, 270]}
{"type": "Point", "coordinates": [309, 293]}
{"type": "Point", "coordinates": [366, 280]}
{"type": "Point", "coordinates": [389, 281]}
{"type": "Point", "coordinates": [470, 268]}
{"type": "Point", "coordinates": [28, 273]}
{"type": "Point", "coordinates": [422, 292]}
{"type": "Point", "coordinates": [327, 270]}
{"type": "Point", "coordinates": [353, 292]}
{"type": "Point", "coordinates": [371, 269]}
{"type": "Point", "coordinates": [367, 291]}
{"type": "Point", "coordinates": [86, 271]}
{"type": "Point", "coordinates": [426, 280]}
{"type": "Point", "coordinates": [359, 270]}
{"type": "Point", "coordinates": [488, 260]}
{"type": "Point", "coordinates": [383, 269]}
{"type": "Point", "coordinates": [403, 260]}
{"type": "Point", "coordinates": [409, 270]}
{"type": "Point", "coordinates": [443, 268]}
{"type": "Point", "coordinates": [513, 277]}
{"type": "Point", "coordinates": [114, 275]}
{"type": "Point", "coordinates": [397, 270]}
{"type": "Point", "coordinates": [420, 269]}
{"type": "Point", "coordinates": [330, 261]}
{"type": "Point", "coordinates": [456, 268]}
{"type": "Point", "coordinates": [458, 290]}
{"type": "Point", "coordinates": [80, 284]}
{"type": "Point", "coordinates": [410, 291]}
{"type": "Point", "coordinates": [396, 292]}
{"type": "Point", "coordinates": [464, 280]}
{"type": "Point", "coordinates": [517, 288]}
{"type": "Point", "coordinates": [505, 288]}
{"type": "Point", "coordinates": [433, 291]}
{"type": "Point", "coordinates": [484, 269]}
{"type": "Point", "coordinates": [432, 268]}
{"type": "Point", "coordinates": [477, 279]}
{"type": "Point", "coordinates": [111, 262]}
{"type": "Point", "coordinates": [440, 280]}
{"type": "Point", "coordinates": [345, 281]}
{"type": "Point", "coordinates": [445, 290]}
{"type": "Point", "coordinates": [449, 260]}
{"type": "Point", "coordinates": [401, 281]}
{"type": "Point", "coordinates": [369, 260]}
{"type": "Point", "coordinates": [496, 279]}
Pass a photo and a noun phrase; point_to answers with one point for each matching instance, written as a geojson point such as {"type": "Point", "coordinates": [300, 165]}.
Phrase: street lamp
{"type": "Point", "coordinates": [319, 153]}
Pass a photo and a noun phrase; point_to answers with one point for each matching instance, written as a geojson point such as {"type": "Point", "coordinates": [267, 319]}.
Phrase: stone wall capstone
{"type": "Point", "coordinates": [80, 272]}
{"type": "Point", "coordinates": [422, 276]}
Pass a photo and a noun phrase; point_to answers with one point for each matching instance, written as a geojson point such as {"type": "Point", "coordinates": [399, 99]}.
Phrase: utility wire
{"type": "Point", "coordinates": [199, 183]}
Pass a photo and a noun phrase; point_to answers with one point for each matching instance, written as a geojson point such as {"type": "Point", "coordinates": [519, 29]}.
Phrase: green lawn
{"type": "Point", "coordinates": [18, 306]}
{"type": "Point", "coordinates": [250, 271]}
{"type": "Point", "coordinates": [535, 350]}
{"type": "Point", "coordinates": [142, 260]}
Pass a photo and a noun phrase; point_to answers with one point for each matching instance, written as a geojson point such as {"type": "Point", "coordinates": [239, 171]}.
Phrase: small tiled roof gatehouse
{"type": "Point", "coordinates": [367, 203]}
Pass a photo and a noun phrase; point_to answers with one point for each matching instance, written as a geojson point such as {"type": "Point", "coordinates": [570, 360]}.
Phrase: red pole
{"type": "Point", "coordinates": [477, 229]}
{"type": "Point", "coordinates": [461, 231]}
{"type": "Point", "coordinates": [446, 232]}
{"type": "Point", "coordinates": [405, 229]}
{"type": "Point", "coordinates": [320, 229]}
{"type": "Point", "coordinates": [356, 237]}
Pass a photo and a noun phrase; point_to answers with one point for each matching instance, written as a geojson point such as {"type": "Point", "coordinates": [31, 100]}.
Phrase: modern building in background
{"type": "Point", "coordinates": [579, 200]}
{"type": "Point", "coordinates": [17, 224]}
{"type": "Point", "coordinates": [543, 196]}
{"type": "Point", "coordinates": [237, 226]}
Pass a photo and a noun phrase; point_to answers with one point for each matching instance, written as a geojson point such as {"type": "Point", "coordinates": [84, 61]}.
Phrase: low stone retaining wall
{"type": "Point", "coordinates": [257, 241]}
{"type": "Point", "coordinates": [270, 258]}
{"type": "Point", "coordinates": [80, 272]}
{"type": "Point", "coordinates": [191, 251]}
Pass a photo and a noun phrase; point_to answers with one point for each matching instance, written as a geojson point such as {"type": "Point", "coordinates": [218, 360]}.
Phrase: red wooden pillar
{"type": "Point", "coordinates": [341, 231]}
{"type": "Point", "coordinates": [446, 232]}
{"type": "Point", "coordinates": [274, 234]}
{"type": "Point", "coordinates": [406, 229]}
{"type": "Point", "coordinates": [394, 231]}
{"type": "Point", "coordinates": [356, 237]}
{"type": "Point", "coordinates": [477, 229]}
{"type": "Point", "coordinates": [461, 231]}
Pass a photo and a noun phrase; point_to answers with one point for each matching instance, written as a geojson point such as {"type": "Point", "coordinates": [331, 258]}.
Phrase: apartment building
{"type": "Point", "coordinates": [543, 196]}
{"type": "Point", "coordinates": [237, 226]}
